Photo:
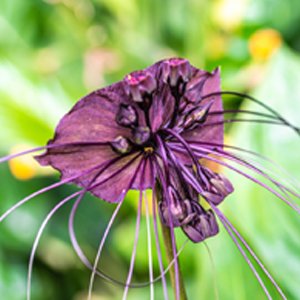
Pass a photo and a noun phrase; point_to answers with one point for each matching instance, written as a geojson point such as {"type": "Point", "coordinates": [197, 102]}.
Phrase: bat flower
{"type": "Point", "coordinates": [141, 126]}
{"type": "Point", "coordinates": [156, 129]}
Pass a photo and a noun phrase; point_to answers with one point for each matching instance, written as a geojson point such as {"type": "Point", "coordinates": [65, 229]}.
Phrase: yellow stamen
{"type": "Point", "coordinates": [148, 150]}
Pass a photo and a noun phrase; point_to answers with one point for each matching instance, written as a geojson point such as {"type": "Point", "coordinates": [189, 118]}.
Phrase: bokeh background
{"type": "Point", "coordinates": [53, 52]}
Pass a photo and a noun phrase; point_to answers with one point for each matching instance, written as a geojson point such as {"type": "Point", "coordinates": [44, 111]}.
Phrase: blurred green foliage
{"type": "Point", "coordinates": [53, 52]}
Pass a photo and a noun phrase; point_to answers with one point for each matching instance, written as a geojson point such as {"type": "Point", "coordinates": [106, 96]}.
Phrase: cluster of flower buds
{"type": "Point", "coordinates": [195, 222]}
{"type": "Point", "coordinates": [139, 87]}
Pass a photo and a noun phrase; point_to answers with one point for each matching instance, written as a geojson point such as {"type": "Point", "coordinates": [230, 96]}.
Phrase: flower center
{"type": "Point", "coordinates": [148, 150]}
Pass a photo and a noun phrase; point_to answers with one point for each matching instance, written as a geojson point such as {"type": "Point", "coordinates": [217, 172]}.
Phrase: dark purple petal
{"type": "Point", "coordinates": [92, 119]}
{"type": "Point", "coordinates": [115, 179]}
{"type": "Point", "coordinates": [210, 133]}
{"type": "Point", "coordinates": [194, 88]}
{"type": "Point", "coordinates": [162, 108]}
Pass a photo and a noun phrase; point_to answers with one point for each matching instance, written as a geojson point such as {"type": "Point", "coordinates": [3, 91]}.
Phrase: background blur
{"type": "Point", "coordinates": [53, 52]}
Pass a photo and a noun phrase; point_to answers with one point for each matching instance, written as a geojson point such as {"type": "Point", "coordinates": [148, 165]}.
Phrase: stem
{"type": "Point", "coordinates": [166, 232]}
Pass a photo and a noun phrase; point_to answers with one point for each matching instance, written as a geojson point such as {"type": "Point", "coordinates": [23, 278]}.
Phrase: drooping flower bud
{"type": "Point", "coordinates": [141, 135]}
{"type": "Point", "coordinates": [138, 84]}
{"type": "Point", "coordinates": [179, 210]}
{"type": "Point", "coordinates": [175, 69]}
{"type": "Point", "coordinates": [126, 116]}
{"type": "Point", "coordinates": [222, 184]}
{"type": "Point", "coordinates": [171, 215]}
{"type": "Point", "coordinates": [203, 226]}
{"type": "Point", "coordinates": [121, 145]}
{"type": "Point", "coordinates": [197, 115]}
{"type": "Point", "coordinates": [220, 187]}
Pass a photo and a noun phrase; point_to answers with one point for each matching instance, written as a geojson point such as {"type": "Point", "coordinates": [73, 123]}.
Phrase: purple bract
{"type": "Point", "coordinates": [148, 119]}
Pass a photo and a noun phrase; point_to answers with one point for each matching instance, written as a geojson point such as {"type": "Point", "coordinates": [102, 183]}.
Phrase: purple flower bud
{"type": "Point", "coordinates": [121, 145]}
{"type": "Point", "coordinates": [196, 115]}
{"type": "Point", "coordinates": [138, 84]}
{"type": "Point", "coordinates": [222, 184]}
{"type": "Point", "coordinates": [126, 116]}
{"type": "Point", "coordinates": [203, 226]}
{"type": "Point", "coordinates": [176, 69]}
{"type": "Point", "coordinates": [141, 135]}
{"type": "Point", "coordinates": [180, 211]}
{"type": "Point", "coordinates": [220, 187]}
{"type": "Point", "coordinates": [173, 214]}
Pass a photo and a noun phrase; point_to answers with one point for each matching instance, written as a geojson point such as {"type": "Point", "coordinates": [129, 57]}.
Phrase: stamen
{"type": "Point", "coordinates": [148, 150]}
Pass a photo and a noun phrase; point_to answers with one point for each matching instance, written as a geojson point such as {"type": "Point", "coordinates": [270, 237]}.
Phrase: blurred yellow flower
{"type": "Point", "coordinates": [25, 167]}
{"type": "Point", "coordinates": [264, 43]}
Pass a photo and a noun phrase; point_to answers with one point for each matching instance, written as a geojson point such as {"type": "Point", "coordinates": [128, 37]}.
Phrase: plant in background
{"type": "Point", "coordinates": [157, 129]}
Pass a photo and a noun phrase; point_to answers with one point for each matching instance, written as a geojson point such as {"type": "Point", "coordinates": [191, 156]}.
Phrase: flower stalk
{"type": "Point", "coordinates": [167, 239]}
